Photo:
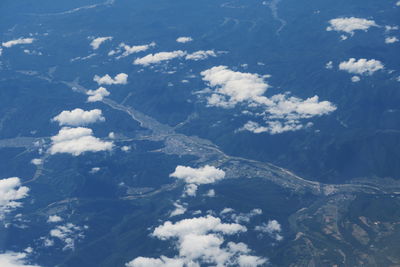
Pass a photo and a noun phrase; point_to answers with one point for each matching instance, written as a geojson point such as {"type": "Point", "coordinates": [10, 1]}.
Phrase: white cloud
{"type": "Point", "coordinates": [391, 40]}
{"type": "Point", "coordinates": [128, 50]}
{"type": "Point", "coordinates": [197, 176]}
{"type": "Point", "coordinates": [210, 193]}
{"type": "Point", "coordinates": [54, 219]}
{"type": "Point", "coordinates": [234, 87]}
{"type": "Point", "coordinates": [68, 234]}
{"type": "Point", "coordinates": [126, 148]}
{"type": "Point", "coordinates": [203, 175]}
{"type": "Point", "coordinates": [355, 79]}
{"type": "Point", "coordinates": [121, 78]}
{"type": "Point", "coordinates": [389, 28]}
{"type": "Point", "coordinates": [13, 259]}
{"type": "Point", "coordinates": [361, 66]}
{"type": "Point", "coordinates": [11, 191]}
{"type": "Point", "coordinates": [201, 55]}
{"type": "Point", "coordinates": [398, 3]}
{"type": "Point", "coordinates": [19, 41]}
{"type": "Point", "coordinates": [94, 170]}
{"type": "Point", "coordinates": [199, 226]}
{"type": "Point", "coordinates": [160, 262]}
{"type": "Point", "coordinates": [179, 209]}
{"type": "Point", "coordinates": [191, 190]}
{"type": "Point", "coordinates": [272, 228]}
{"type": "Point", "coordinates": [349, 25]}
{"type": "Point", "coordinates": [79, 117]}
{"type": "Point", "coordinates": [36, 161]}
{"type": "Point", "coordinates": [244, 217]}
{"type": "Point", "coordinates": [184, 39]}
{"type": "Point", "coordinates": [97, 95]}
{"type": "Point", "coordinates": [95, 44]}
{"type": "Point", "coordinates": [159, 57]}
{"type": "Point", "coordinates": [281, 112]}
{"type": "Point", "coordinates": [329, 65]}
{"type": "Point", "coordinates": [200, 240]}
{"type": "Point", "coordinates": [76, 141]}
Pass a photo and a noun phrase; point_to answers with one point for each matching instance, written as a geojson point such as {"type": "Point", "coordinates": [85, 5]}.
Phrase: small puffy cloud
{"type": "Point", "coordinates": [19, 41]}
{"type": "Point", "coordinates": [10, 192]}
{"type": "Point", "coordinates": [121, 78]}
{"type": "Point", "coordinates": [54, 219]}
{"type": "Point", "coordinates": [36, 161]}
{"type": "Point", "coordinates": [361, 66]}
{"type": "Point", "coordinates": [94, 170]}
{"type": "Point", "coordinates": [79, 117]}
{"type": "Point", "coordinates": [179, 209]}
{"type": "Point", "coordinates": [184, 39]}
{"type": "Point", "coordinates": [200, 241]}
{"type": "Point", "coordinates": [234, 87]}
{"type": "Point", "coordinates": [68, 234]}
{"type": "Point", "coordinates": [280, 112]}
{"type": "Point", "coordinates": [128, 50]}
{"type": "Point", "coordinates": [329, 65]}
{"type": "Point", "coordinates": [398, 3]}
{"type": "Point", "coordinates": [76, 141]}
{"type": "Point", "coordinates": [95, 44]}
{"type": "Point", "coordinates": [13, 259]}
{"type": "Point", "coordinates": [199, 226]}
{"type": "Point", "coordinates": [349, 25]}
{"type": "Point", "coordinates": [159, 57]}
{"type": "Point", "coordinates": [201, 55]}
{"type": "Point", "coordinates": [272, 228]}
{"type": "Point", "coordinates": [210, 193]}
{"type": "Point", "coordinates": [391, 40]}
{"type": "Point", "coordinates": [151, 262]}
{"type": "Point", "coordinates": [197, 176]}
{"type": "Point", "coordinates": [97, 95]}
{"type": "Point", "coordinates": [244, 217]}
{"type": "Point", "coordinates": [355, 79]}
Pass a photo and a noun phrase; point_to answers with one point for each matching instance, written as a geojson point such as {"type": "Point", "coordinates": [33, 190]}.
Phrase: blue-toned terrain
{"type": "Point", "coordinates": [199, 133]}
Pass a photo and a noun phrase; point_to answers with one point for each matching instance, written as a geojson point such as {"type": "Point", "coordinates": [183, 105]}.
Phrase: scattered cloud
{"type": "Point", "coordinates": [244, 217]}
{"type": "Point", "coordinates": [272, 228]}
{"type": "Point", "coordinates": [201, 240]}
{"type": "Point", "coordinates": [203, 175]}
{"type": "Point", "coordinates": [97, 95]}
{"type": "Point", "coordinates": [128, 50]}
{"type": "Point", "coordinates": [13, 259]}
{"type": "Point", "coordinates": [10, 192]}
{"type": "Point", "coordinates": [391, 40]}
{"type": "Point", "coordinates": [281, 112]}
{"type": "Point", "coordinates": [19, 41]}
{"type": "Point", "coordinates": [36, 161]}
{"type": "Point", "coordinates": [194, 177]}
{"type": "Point", "coordinates": [68, 234]}
{"type": "Point", "coordinates": [361, 66]}
{"type": "Point", "coordinates": [121, 78]}
{"type": "Point", "coordinates": [179, 209]}
{"type": "Point", "coordinates": [95, 44]}
{"type": "Point", "coordinates": [159, 57]}
{"type": "Point", "coordinates": [210, 193]}
{"type": "Point", "coordinates": [389, 28]}
{"type": "Point", "coordinates": [79, 117]}
{"type": "Point", "coordinates": [329, 65]}
{"type": "Point", "coordinates": [76, 141]}
{"type": "Point", "coordinates": [184, 40]}
{"type": "Point", "coordinates": [351, 24]}
{"type": "Point", "coordinates": [94, 170]}
{"type": "Point", "coordinates": [54, 219]}
{"type": "Point", "coordinates": [200, 55]}
{"type": "Point", "coordinates": [355, 79]}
